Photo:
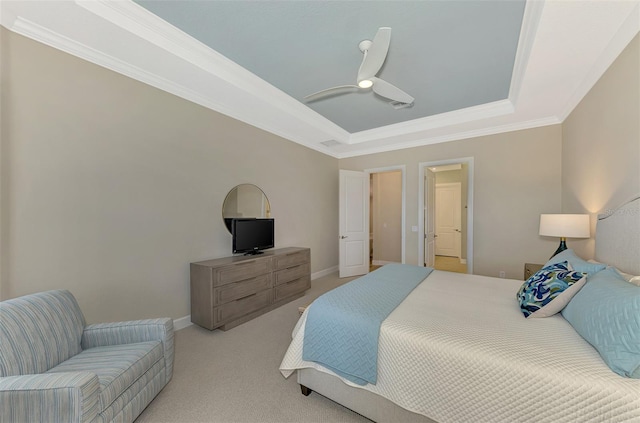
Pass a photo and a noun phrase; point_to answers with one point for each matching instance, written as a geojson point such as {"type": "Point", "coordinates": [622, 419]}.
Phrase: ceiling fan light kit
{"type": "Point", "coordinates": [375, 53]}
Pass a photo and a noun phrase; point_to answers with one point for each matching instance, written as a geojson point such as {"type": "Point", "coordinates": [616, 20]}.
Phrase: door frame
{"type": "Point", "coordinates": [403, 172]}
{"type": "Point", "coordinates": [421, 206]}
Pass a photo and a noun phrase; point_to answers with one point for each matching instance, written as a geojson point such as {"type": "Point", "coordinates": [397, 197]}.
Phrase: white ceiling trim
{"type": "Point", "coordinates": [138, 21]}
{"type": "Point", "coordinates": [382, 147]}
{"type": "Point", "coordinates": [177, 63]}
{"type": "Point", "coordinates": [442, 120]}
{"type": "Point", "coordinates": [530, 22]}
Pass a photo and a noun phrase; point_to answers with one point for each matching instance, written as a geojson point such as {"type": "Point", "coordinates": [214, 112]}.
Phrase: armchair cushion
{"type": "Point", "coordinates": [102, 334]}
{"type": "Point", "coordinates": [117, 366]}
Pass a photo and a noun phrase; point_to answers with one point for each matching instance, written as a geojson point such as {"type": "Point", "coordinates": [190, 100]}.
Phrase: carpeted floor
{"type": "Point", "coordinates": [233, 376]}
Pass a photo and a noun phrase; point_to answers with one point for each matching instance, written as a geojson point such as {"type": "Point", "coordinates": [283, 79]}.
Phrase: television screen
{"type": "Point", "coordinates": [252, 235]}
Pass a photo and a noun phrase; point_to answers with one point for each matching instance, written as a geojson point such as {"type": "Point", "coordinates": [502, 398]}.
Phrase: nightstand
{"type": "Point", "coordinates": [530, 269]}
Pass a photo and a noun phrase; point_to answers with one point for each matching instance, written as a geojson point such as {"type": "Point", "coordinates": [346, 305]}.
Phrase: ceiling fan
{"type": "Point", "coordinates": [375, 53]}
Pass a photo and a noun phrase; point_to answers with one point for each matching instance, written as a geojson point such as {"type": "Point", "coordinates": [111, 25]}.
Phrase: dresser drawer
{"type": "Point", "coordinates": [292, 287]}
{"type": "Point", "coordinates": [291, 259]}
{"type": "Point", "coordinates": [294, 272]}
{"type": "Point", "coordinates": [241, 271]}
{"type": "Point", "coordinates": [240, 307]}
{"type": "Point", "coordinates": [235, 290]}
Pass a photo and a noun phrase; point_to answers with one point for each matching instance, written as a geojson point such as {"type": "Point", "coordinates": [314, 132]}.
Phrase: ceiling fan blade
{"type": "Point", "coordinates": [391, 92]}
{"type": "Point", "coordinates": [342, 89]}
{"type": "Point", "coordinates": [375, 56]}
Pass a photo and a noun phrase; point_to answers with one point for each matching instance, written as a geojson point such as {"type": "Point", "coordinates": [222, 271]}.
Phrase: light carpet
{"type": "Point", "coordinates": [233, 376]}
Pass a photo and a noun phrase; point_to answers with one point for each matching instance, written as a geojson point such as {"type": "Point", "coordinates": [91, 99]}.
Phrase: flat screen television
{"type": "Point", "coordinates": [250, 236]}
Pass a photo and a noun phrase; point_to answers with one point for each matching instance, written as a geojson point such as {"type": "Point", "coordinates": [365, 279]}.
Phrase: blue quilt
{"type": "Point", "coordinates": [343, 325]}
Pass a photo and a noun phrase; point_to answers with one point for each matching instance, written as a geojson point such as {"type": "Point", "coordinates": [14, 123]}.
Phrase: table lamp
{"type": "Point", "coordinates": [564, 226]}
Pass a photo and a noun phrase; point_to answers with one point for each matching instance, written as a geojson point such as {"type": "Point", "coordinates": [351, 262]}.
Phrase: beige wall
{"type": "Point", "coordinates": [110, 187]}
{"type": "Point", "coordinates": [516, 178]}
{"type": "Point", "coordinates": [601, 144]}
{"type": "Point", "coordinates": [114, 187]}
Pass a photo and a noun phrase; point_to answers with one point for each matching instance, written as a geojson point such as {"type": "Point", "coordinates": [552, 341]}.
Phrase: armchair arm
{"type": "Point", "coordinates": [101, 334]}
{"type": "Point", "coordinates": [50, 397]}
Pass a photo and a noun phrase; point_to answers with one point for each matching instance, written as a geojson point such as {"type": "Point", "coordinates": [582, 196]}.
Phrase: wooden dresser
{"type": "Point", "coordinates": [228, 291]}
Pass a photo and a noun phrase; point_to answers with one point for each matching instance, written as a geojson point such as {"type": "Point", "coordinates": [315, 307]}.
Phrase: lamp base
{"type": "Point", "coordinates": [561, 248]}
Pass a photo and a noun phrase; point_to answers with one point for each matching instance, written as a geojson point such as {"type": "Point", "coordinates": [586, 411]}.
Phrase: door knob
{"type": "Point", "coordinates": [343, 237]}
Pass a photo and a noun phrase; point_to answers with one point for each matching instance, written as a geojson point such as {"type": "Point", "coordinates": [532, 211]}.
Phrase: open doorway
{"type": "Point", "coordinates": [386, 217]}
{"type": "Point", "coordinates": [446, 215]}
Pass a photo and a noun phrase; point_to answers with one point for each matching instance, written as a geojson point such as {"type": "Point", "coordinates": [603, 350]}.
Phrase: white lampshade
{"type": "Point", "coordinates": [565, 225]}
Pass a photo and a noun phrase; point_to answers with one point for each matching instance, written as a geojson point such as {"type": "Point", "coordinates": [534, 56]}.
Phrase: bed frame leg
{"type": "Point", "coordinates": [305, 391]}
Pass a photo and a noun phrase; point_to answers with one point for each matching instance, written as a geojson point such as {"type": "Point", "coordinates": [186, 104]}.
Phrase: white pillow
{"type": "Point", "coordinates": [629, 278]}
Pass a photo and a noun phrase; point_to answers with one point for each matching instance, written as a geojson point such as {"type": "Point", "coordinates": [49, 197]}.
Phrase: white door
{"type": "Point", "coordinates": [429, 218]}
{"type": "Point", "coordinates": [448, 219]}
{"type": "Point", "coordinates": [354, 223]}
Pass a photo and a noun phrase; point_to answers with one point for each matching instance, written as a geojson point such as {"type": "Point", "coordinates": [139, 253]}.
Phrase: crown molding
{"type": "Point", "coordinates": [137, 20]}
{"type": "Point", "coordinates": [456, 136]}
{"type": "Point", "coordinates": [530, 21]}
{"type": "Point", "coordinates": [111, 34]}
{"type": "Point", "coordinates": [455, 117]}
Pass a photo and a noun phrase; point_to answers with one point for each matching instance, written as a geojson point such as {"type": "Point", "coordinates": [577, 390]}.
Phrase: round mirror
{"type": "Point", "coordinates": [245, 200]}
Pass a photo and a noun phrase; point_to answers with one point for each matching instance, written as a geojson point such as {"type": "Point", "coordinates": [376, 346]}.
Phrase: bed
{"type": "Point", "coordinates": [458, 349]}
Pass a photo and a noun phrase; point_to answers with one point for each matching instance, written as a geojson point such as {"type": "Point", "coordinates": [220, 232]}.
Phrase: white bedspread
{"type": "Point", "coordinates": [458, 349]}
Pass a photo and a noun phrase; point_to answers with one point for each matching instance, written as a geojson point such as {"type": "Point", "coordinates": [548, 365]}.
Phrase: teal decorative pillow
{"type": "Point", "coordinates": [576, 262]}
{"type": "Point", "coordinates": [606, 313]}
{"type": "Point", "coordinates": [549, 290]}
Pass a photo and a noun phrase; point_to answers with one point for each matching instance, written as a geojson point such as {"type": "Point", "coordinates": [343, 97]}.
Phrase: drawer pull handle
{"type": "Point", "coordinates": [293, 281]}
{"type": "Point", "coordinates": [247, 296]}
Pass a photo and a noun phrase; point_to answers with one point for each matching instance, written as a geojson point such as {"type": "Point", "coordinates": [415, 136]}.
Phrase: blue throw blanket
{"type": "Point", "coordinates": [343, 325]}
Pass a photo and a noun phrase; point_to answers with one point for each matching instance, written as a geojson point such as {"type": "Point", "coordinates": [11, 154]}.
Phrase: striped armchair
{"type": "Point", "coordinates": [55, 368]}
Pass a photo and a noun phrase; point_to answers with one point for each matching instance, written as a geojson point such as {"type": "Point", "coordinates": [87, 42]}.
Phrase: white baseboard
{"type": "Point", "coordinates": [324, 272]}
{"type": "Point", "coordinates": [185, 321]}
{"type": "Point", "coordinates": [182, 322]}
{"type": "Point", "coordinates": [463, 261]}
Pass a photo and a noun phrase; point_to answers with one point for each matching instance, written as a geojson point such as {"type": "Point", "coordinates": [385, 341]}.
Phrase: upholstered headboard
{"type": "Point", "coordinates": [618, 237]}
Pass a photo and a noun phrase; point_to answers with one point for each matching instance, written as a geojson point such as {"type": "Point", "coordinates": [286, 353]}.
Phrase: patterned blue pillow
{"type": "Point", "coordinates": [549, 290]}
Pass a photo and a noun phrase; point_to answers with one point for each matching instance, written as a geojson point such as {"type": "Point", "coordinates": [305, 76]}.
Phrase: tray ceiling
{"type": "Point", "coordinates": [474, 67]}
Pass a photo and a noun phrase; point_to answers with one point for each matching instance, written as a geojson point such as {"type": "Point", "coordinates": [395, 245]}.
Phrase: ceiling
{"type": "Point", "coordinates": [474, 67]}
{"type": "Point", "coordinates": [447, 55]}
